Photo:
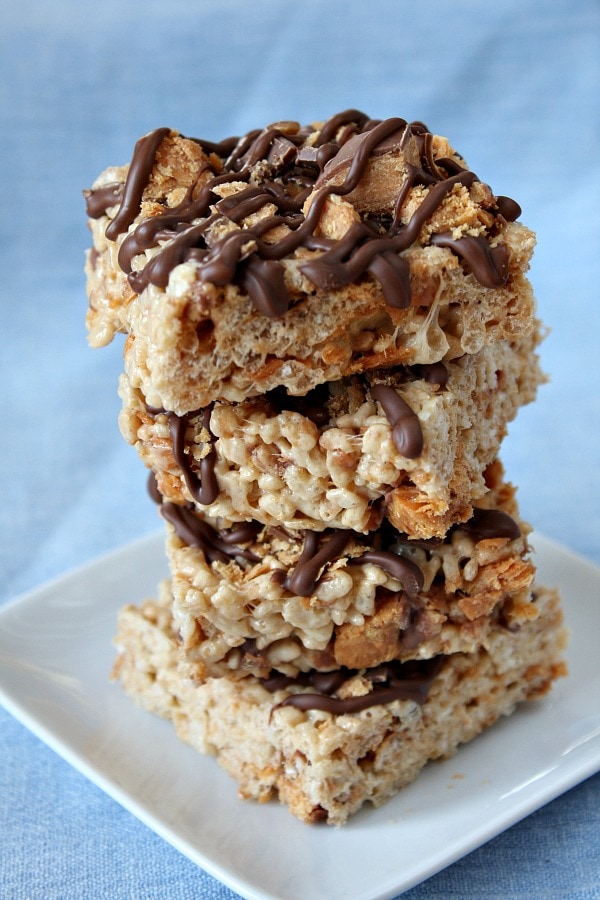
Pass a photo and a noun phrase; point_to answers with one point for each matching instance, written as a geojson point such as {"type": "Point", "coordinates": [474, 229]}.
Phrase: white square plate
{"type": "Point", "coordinates": [55, 656]}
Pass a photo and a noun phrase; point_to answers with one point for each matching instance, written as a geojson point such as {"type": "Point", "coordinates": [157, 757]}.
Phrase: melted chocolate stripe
{"type": "Point", "coordinates": [158, 269]}
{"type": "Point", "coordinates": [244, 203]}
{"type": "Point", "coordinates": [433, 199]}
{"type": "Point", "coordinates": [393, 273]}
{"type": "Point", "coordinates": [204, 488]}
{"type": "Point", "coordinates": [312, 405]}
{"type": "Point", "coordinates": [263, 280]}
{"type": "Point", "coordinates": [329, 271]}
{"type": "Point", "coordinates": [145, 236]}
{"type": "Point", "coordinates": [338, 706]}
{"type": "Point", "coordinates": [488, 524]}
{"type": "Point", "coordinates": [488, 264]}
{"type": "Point", "coordinates": [347, 117]}
{"type": "Point", "coordinates": [433, 373]}
{"type": "Point", "coordinates": [358, 164]}
{"type": "Point", "coordinates": [317, 554]}
{"type": "Point", "coordinates": [241, 146]}
{"type": "Point", "coordinates": [508, 208]}
{"type": "Point", "coordinates": [404, 570]}
{"type": "Point", "coordinates": [98, 201]}
{"type": "Point", "coordinates": [192, 531]}
{"type": "Point", "coordinates": [153, 490]}
{"type": "Point", "coordinates": [406, 427]}
{"type": "Point", "coordinates": [303, 580]}
{"type": "Point", "coordinates": [243, 532]}
{"type": "Point", "coordinates": [137, 179]}
{"type": "Point", "coordinates": [394, 681]}
{"type": "Point", "coordinates": [217, 546]}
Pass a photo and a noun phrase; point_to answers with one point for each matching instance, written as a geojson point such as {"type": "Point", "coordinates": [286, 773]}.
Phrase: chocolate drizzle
{"type": "Point", "coordinates": [392, 681]}
{"type": "Point", "coordinates": [508, 208]}
{"type": "Point", "coordinates": [314, 557]}
{"type": "Point", "coordinates": [99, 201]}
{"type": "Point", "coordinates": [312, 405]}
{"type": "Point", "coordinates": [403, 570]}
{"type": "Point", "coordinates": [153, 489]}
{"type": "Point", "coordinates": [406, 427]}
{"type": "Point", "coordinates": [486, 524]}
{"type": "Point", "coordinates": [217, 546]}
{"type": "Point", "coordinates": [200, 478]}
{"type": "Point", "coordinates": [203, 486]}
{"type": "Point", "coordinates": [433, 373]}
{"type": "Point", "coordinates": [320, 549]}
{"type": "Point", "coordinates": [488, 264]}
{"type": "Point", "coordinates": [292, 165]}
{"type": "Point", "coordinates": [137, 179]}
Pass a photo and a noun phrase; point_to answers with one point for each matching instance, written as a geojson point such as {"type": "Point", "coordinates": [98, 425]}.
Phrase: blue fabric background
{"type": "Point", "coordinates": [515, 87]}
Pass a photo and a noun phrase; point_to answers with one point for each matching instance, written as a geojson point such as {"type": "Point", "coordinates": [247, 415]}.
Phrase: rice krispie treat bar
{"type": "Point", "coordinates": [412, 444]}
{"type": "Point", "coordinates": [326, 746]}
{"type": "Point", "coordinates": [299, 255]}
{"type": "Point", "coordinates": [252, 598]}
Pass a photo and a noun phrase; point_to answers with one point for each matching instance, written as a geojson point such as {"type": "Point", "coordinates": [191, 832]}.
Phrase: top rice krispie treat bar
{"type": "Point", "coordinates": [298, 255]}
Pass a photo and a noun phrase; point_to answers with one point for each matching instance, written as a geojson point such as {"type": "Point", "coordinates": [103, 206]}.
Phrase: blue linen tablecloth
{"type": "Point", "coordinates": [515, 87]}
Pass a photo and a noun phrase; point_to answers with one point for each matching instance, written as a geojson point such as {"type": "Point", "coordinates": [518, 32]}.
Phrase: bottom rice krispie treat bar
{"type": "Point", "coordinates": [326, 746]}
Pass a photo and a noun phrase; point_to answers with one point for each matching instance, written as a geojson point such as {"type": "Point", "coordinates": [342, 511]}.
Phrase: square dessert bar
{"type": "Point", "coordinates": [340, 457]}
{"type": "Point", "coordinates": [327, 748]}
{"type": "Point", "coordinates": [251, 599]}
{"type": "Point", "coordinates": [299, 255]}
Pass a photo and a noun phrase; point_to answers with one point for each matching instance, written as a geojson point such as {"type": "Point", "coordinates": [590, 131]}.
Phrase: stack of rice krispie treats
{"type": "Point", "coordinates": [328, 329]}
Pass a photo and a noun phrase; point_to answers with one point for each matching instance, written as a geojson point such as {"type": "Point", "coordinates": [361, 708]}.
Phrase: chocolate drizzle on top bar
{"type": "Point", "coordinates": [139, 172]}
{"type": "Point", "coordinates": [290, 163]}
{"type": "Point", "coordinates": [99, 201]}
{"type": "Point", "coordinates": [488, 264]}
{"type": "Point", "coordinates": [392, 681]}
